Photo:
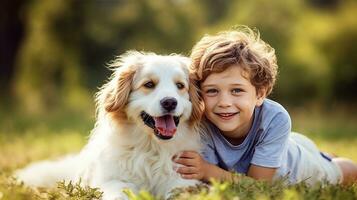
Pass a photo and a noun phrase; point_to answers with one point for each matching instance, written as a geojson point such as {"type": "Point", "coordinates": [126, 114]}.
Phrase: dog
{"type": "Point", "coordinates": [147, 112]}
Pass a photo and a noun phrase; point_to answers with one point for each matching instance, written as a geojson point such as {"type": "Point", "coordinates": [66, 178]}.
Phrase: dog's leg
{"type": "Point", "coordinates": [113, 190]}
{"type": "Point", "coordinates": [47, 173]}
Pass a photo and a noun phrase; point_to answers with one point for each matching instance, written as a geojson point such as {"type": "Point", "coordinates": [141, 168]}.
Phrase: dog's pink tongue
{"type": "Point", "coordinates": [165, 125]}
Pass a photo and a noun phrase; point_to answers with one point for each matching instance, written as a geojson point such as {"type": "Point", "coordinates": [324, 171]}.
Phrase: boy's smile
{"type": "Point", "coordinates": [227, 116]}
{"type": "Point", "coordinates": [230, 99]}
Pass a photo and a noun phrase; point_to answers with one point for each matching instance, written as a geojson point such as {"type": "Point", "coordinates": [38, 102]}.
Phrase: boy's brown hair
{"type": "Point", "coordinates": [243, 47]}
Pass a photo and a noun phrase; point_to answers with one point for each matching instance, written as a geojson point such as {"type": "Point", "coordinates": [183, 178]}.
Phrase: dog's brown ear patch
{"type": "Point", "coordinates": [118, 95]}
{"type": "Point", "coordinates": [113, 96]}
{"type": "Point", "coordinates": [197, 103]}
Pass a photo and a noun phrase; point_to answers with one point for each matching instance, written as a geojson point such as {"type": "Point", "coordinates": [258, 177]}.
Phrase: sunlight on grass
{"type": "Point", "coordinates": [18, 150]}
{"type": "Point", "coordinates": [343, 148]}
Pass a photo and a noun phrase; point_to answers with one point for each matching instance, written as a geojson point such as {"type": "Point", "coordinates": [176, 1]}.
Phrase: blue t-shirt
{"type": "Point", "coordinates": [265, 145]}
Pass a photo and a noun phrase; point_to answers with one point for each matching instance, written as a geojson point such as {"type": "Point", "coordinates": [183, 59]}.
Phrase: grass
{"type": "Point", "coordinates": [24, 139]}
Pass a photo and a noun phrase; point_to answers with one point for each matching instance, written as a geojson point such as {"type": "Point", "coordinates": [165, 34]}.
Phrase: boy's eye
{"type": "Point", "coordinates": [211, 92]}
{"type": "Point", "coordinates": [236, 91]}
{"type": "Point", "coordinates": [149, 84]}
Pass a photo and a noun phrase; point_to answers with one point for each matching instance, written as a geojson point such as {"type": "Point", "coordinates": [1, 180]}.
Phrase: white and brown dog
{"type": "Point", "coordinates": [146, 113]}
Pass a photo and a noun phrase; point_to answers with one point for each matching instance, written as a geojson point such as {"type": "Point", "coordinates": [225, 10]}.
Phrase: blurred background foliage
{"type": "Point", "coordinates": [54, 53]}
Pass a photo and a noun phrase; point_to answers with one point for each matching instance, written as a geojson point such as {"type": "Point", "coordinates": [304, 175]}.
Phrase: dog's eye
{"type": "Point", "coordinates": [180, 86]}
{"type": "Point", "coordinates": [149, 84]}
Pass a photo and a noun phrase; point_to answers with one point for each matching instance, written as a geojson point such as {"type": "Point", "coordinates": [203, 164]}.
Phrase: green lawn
{"type": "Point", "coordinates": [24, 139]}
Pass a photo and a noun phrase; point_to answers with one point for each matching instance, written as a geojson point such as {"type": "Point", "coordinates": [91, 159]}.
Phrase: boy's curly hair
{"type": "Point", "coordinates": [242, 47]}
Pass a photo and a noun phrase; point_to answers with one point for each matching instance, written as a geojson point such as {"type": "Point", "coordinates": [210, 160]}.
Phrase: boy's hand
{"type": "Point", "coordinates": [194, 166]}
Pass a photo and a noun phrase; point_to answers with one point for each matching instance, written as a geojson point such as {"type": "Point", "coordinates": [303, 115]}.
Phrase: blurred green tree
{"type": "Point", "coordinates": [68, 43]}
{"type": "Point", "coordinates": [49, 68]}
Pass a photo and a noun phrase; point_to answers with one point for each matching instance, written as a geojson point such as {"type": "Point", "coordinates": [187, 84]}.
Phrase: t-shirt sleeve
{"type": "Point", "coordinates": [270, 149]}
{"type": "Point", "coordinates": [208, 148]}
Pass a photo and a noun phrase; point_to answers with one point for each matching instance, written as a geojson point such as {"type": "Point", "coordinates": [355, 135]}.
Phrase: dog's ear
{"type": "Point", "coordinates": [114, 95]}
{"type": "Point", "coordinates": [194, 93]}
{"type": "Point", "coordinates": [118, 92]}
{"type": "Point", "coordinates": [197, 102]}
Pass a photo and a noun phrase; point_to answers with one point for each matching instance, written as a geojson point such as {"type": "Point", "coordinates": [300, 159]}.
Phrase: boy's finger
{"type": "Point", "coordinates": [187, 170]}
{"type": "Point", "coordinates": [189, 176]}
{"type": "Point", "coordinates": [184, 161]}
{"type": "Point", "coordinates": [188, 154]}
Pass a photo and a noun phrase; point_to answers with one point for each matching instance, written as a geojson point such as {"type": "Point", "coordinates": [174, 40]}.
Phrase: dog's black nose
{"type": "Point", "coordinates": [168, 103]}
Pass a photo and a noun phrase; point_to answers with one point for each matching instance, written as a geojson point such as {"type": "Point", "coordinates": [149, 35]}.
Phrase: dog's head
{"type": "Point", "coordinates": [152, 90]}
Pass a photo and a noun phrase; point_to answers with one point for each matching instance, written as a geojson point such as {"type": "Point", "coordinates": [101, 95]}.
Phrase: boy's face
{"type": "Point", "coordinates": [230, 99]}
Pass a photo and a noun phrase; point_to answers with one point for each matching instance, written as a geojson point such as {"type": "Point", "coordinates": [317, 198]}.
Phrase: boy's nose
{"type": "Point", "coordinates": [224, 104]}
{"type": "Point", "coordinates": [224, 101]}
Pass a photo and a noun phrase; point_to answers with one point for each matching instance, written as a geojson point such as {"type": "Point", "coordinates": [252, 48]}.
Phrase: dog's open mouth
{"type": "Point", "coordinates": [164, 126]}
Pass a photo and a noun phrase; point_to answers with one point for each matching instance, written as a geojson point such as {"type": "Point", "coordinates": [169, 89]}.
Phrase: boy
{"type": "Point", "coordinates": [242, 130]}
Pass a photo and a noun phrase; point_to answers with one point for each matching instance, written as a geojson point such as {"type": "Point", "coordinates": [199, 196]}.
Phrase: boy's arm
{"type": "Point", "coordinates": [261, 173]}
{"type": "Point", "coordinates": [269, 152]}
{"type": "Point", "coordinates": [195, 167]}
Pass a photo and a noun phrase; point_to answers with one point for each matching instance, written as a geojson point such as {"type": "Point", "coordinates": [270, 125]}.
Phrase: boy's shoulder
{"type": "Point", "coordinates": [273, 110]}
{"type": "Point", "coordinates": [273, 106]}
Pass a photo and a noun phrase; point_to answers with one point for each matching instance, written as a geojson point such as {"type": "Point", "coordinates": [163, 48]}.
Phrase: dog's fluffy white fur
{"type": "Point", "coordinates": [124, 152]}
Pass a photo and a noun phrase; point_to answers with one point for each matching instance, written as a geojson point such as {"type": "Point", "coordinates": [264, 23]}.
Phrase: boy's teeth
{"type": "Point", "coordinates": [225, 115]}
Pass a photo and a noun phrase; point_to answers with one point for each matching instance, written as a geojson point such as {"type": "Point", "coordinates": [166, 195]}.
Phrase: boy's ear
{"type": "Point", "coordinates": [261, 94]}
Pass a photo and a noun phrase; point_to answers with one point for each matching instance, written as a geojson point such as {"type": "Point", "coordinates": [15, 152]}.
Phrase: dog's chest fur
{"type": "Point", "coordinates": [143, 160]}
